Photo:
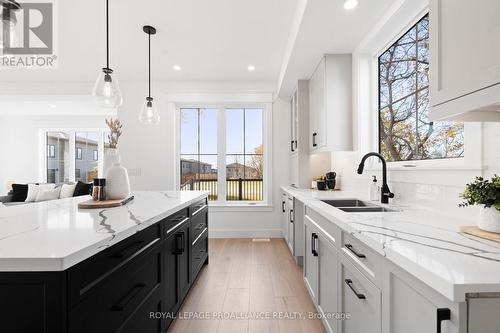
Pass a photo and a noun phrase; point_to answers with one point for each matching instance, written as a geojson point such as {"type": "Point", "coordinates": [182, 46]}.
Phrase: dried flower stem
{"type": "Point", "coordinates": [115, 127]}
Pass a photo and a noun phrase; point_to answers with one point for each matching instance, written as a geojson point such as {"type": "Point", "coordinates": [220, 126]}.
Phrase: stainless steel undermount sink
{"type": "Point", "coordinates": [357, 206]}
{"type": "Point", "coordinates": [347, 203]}
{"type": "Point", "coordinates": [374, 209]}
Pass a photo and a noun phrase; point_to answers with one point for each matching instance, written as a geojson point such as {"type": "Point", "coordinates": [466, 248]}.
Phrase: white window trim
{"type": "Point", "coordinates": [264, 101]}
{"type": "Point", "coordinates": [42, 155]}
{"type": "Point", "coordinates": [367, 55]}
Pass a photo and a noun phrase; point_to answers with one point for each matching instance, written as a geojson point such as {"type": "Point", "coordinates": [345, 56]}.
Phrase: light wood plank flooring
{"type": "Point", "coordinates": [248, 277]}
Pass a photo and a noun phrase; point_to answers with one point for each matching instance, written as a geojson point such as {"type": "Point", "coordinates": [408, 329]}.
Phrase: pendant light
{"type": "Point", "coordinates": [149, 113]}
{"type": "Point", "coordinates": [106, 89]}
{"type": "Point", "coordinates": [8, 20]}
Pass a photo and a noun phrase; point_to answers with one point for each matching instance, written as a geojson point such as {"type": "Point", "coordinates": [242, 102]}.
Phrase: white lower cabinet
{"type": "Point", "coordinates": [311, 262]}
{"type": "Point", "coordinates": [327, 282]}
{"type": "Point", "coordinates": [361, 299]}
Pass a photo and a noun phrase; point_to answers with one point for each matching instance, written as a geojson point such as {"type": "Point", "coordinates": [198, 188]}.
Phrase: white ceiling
{"type": "Point", "coordinates": [210, 39]}
{"type": "Point", "coordinates": [327, 28]}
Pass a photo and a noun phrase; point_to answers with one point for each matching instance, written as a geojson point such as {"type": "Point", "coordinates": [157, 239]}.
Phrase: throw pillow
{"type": "Point", "coordinates": [67, 191]}
{"type": "Point", "coordinates": [82, 188]}
{"type": "Point", "coordinates": [44, 195]}
{"type": "Point", "coordinates": [19, 192]}
{"type": "Point", "coordinates": [34, 188]}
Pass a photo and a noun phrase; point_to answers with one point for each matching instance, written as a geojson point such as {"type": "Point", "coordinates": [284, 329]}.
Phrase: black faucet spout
{"type": "Point", "coordinates": [386, 193]}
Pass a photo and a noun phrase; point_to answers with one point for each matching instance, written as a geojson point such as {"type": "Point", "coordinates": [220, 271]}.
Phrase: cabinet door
{"type": "Point", "coordinates": [183, 260]}
{"type": "Point", "coordinates": [311, 258]}
{"type": "Point", "coordinates": [170, 271]}
{"type": "Point", "coordinates": [361, 299]}
{"type": "Point", "coordinates": [316, 105]}
{"type": "Point", "coordinates": [464, 47]}
{"type": "Point", "coordinates": [328, 281]}
{"type": "Point", "coordinates": [293, 123]}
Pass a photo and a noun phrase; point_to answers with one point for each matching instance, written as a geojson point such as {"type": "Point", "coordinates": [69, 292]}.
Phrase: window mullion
{"type": "Point", "coordinates": [221, 154]}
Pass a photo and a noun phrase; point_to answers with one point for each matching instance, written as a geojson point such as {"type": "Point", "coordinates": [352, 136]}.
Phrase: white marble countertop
{"type": "Point", "coordinates": [55, 235]}
{"type": "Point", "coordinates": [427, 244]}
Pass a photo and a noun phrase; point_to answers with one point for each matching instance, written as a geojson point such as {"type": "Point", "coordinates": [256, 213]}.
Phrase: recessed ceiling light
{"type": "Point", "coordinates": [251, 68]}
{"type": "Point", "coordinates": [176, 68]}
{"type": "Point", "coordinates": [52, 106]}
{"type": "Point", "coordinates": [350, 4]}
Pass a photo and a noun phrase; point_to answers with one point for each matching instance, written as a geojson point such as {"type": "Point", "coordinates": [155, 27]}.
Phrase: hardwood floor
{"type": "Point", "coordinates": [244, 278]}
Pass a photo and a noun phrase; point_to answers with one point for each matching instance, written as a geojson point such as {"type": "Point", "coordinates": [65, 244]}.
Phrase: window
{"type": "Point", "coordinates": [228, 139]}
{"type": "Point", "coordinates": [73, 155]}
{"type": "Point", "coordinates": [51, 151]}
{"type": "Point", "coordinates": [79, 154]}
{"type": "Point", "coordinates": [57, 170]}
{"type": "Point", "coordinates": [405, 132]}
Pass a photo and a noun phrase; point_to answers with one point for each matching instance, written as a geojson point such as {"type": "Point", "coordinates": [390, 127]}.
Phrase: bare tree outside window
{"type": "Point", "coordinates": [405, 132]}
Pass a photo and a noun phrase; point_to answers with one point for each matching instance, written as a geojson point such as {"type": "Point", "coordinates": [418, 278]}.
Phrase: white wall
{"type": "Point", "coordinates": [148, 152]}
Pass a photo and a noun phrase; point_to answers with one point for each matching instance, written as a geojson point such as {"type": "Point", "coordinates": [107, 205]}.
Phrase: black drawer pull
{"type": "Point", "coordinates": [442, 315]}
{"type": "Point", "coordinates": [291, 215]}
{"type": "Point", "coordinates": [179, 243]}
{"type": "Point", "coordinates": [283, 206]}
{"type": "Point", "coordinates": [351, 248]}
{"type": "Point", "coordinates": [358, 295]}
{"type": "Point", "coordinates": [128, 297]}
{"type": "Point", "coordinates": [292, 145]}
{"type": "Point", "coordinates": [127, 251]}
{"type": "Point", "coordinates": [314, 250]}
{"type": "Point", "coordinates": [200, 226]}
{"type": "Point", "coordinates": [314, 140]}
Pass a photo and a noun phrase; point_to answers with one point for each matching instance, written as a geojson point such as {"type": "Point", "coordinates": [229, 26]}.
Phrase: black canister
{"type": "Point", "coordinates": [99, 189]}
{"type": "Point", "coordinates": [321, 185]}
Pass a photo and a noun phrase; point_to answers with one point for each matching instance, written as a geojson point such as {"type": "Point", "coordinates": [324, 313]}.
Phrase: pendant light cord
{"type": "Point", "coordinates": [149, 35]}
{"type": "Point", "coordinates": [107, 34]}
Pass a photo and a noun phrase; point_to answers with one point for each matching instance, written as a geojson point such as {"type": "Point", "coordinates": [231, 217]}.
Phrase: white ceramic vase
{"type": "Point", "coordinates": [489, 219]}
{"type": "Point", "coordinates": [111, 157]}
{"type": "Point", "coordinates": [117, 181]}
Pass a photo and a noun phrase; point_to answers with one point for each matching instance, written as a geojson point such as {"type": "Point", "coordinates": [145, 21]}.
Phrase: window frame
{"type": "Point", "coordinates": [51, 151]}
{"type": "Point", "coordinates": [221, 147]}
{"type": "Point", "coordinates": [78, 153]}
{"type": "Point", "coordinates": [367, 71]}
{"type": "Point", "coordinates": [42, 153]}
{"type": "Point", "coordinates": [95, 154]}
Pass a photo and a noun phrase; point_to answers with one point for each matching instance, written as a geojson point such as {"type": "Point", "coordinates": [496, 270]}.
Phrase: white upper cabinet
{"type": "Point", "coordinates": [465, 60]}
{"type": "Point", "coordinates": [330, 105]}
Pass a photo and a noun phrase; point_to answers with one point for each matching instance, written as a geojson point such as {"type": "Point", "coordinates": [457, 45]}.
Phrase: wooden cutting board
{"type": "Point", "coordinates": [475, 231]}
{"type": "Point", "coordinates": [91, 204]}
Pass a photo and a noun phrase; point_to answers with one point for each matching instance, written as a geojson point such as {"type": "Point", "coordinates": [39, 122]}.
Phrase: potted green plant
{"type": "Point", "coordinates": [486, 194]}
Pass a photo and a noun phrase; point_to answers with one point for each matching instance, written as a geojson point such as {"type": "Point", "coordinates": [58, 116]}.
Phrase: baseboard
{"type": "Point", "coordinates": [245, 233]}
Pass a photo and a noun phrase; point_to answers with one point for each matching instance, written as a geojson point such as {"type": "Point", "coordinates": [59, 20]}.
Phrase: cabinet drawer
{"type": "Point", "coordinates": [199, 254]}
{"type": "Point", "coordinates": [361, 299]}
{"type": "Point", "coordinates": [199, 225]}
{"type": "Point", "coordinates": [331, 231]}
{"type": "Point", "coordinates": [175, 220]}
{"type": "Point", "coordinates": [198, 207]}
{"type": "Point", "coordinates": [367, 261]}
{"type": "Point", "coordinates": [87, 275]}
{"type": "Point", "coordinates": [141, 321]}
{"type": "Point", "coordinates": [107, 307]}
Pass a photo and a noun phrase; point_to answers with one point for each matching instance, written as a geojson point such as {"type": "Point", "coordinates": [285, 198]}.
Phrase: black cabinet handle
{"type": "Point", "coordinates": [129, 250]}
{"type": "Point", "coordinates": [120, 306]}
{"type": "Point", "coordinates": [283, 206]}
{"type": "Point", "coordinates": [351, 248]}
{"type": "Point", "coordinates": [358, 295]}
{"type": "Point", "coordinates": [291, 215]}
{"type": "Point", "coordinates": [292, 145]}
{"type": "Point", "coordinates": [179, 243]}
{"type": "Point", "coordinates": [442, 315]}
{"type": "Point", "coordinates": [200, 226]}
{"type": "Point", "coordinates": [314, 139]}
{"type": "Point", "coordinates": [314, 251]}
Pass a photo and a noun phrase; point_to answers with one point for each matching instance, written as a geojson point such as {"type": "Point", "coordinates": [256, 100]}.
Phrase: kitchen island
{"type": "Point", "coordinates": [65, 269]}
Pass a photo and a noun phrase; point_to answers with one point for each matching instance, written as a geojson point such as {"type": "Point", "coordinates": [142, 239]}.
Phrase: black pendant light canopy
{"type": "Point", "coordinates": [149, 113]}
{"type": "Point", "coordinates": [106, 90]}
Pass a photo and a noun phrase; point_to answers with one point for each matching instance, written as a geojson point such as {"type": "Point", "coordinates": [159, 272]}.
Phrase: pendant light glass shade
{"type": "Point", "coordinates": [149, 113]}
{"type": "Point", "coordinates": [106, 90]}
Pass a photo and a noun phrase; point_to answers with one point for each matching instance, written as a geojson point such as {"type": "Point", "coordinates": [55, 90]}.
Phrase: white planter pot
{"type": "Point", "coordinates": [111, 157]}
{"type": "Point", "coordinates": [117, 181]}
{"type": "Point", "coordinates": [489, 219]}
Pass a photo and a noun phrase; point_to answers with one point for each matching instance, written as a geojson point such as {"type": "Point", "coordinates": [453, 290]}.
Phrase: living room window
{"type": "Point", "coordinates": [405, 131]}
{"type": "Point", "coordinates": [73, 155]}
{"type": "Point", "coordinates": [222, 151]}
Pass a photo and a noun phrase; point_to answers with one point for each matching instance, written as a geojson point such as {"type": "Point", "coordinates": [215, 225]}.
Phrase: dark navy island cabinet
{"type": "Point", "coordinates": [136, 285]}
